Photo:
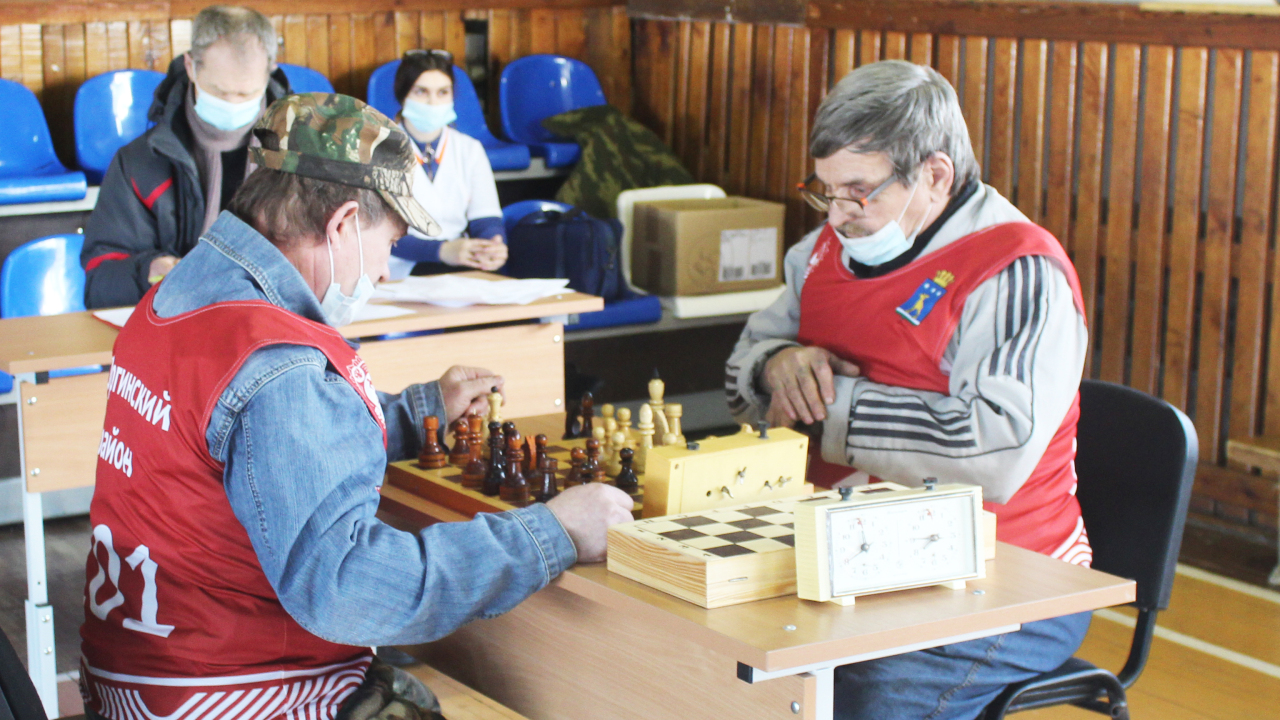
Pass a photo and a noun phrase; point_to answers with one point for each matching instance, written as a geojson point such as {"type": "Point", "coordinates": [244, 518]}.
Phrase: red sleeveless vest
{"type": "Point", "coordinates": [896, 329]}
{"type": "Point", "coordinates": [180, 620]}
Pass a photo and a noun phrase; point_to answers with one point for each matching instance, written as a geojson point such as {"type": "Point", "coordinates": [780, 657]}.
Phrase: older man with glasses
{"type": "Point", "coordinates": [928, 329]}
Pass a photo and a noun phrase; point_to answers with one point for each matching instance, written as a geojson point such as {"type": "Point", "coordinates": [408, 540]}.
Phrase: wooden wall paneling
{"type": "Point", "coordinates": [32, 63]}
{"type": "Point", "coordinates": [761, 111]}
{"type": "Point", "coordinates": [277, 22]}
{"type": "Point", "coordinates": [973, 94]}
{"type": "Point", "coordinates": [696, 97]}
{"type": "Point", "coordinates": [844, 52]}
{"type": "Point", "coordinates": [73, 49]}
{"type": "Point", "coordinates": [740, 102]}
{"type": "Point", "coordinates": [522, 31]}
{"type": "Point", "coordinates": [500, 47]}
{"type": "Point", "coordinates": [409, 31]}
{"type": "Point", "coordinates": [139, 34]}
{"type": "Point", "coordinates": [384, 39]}
{"type": "Point", "coordinates": [680, 141]}
{"type": "Point", "coordinates": [661, 45]}
{"type": "Point", "coordinates": [11, 52]}
{"type": "Point", "coordinates": [455, 35]}
{"type": "Point", "coordinates": [806, 84]}
{"type": "Point", "coordinates": [921, 49]}
{"type": "Point", "coordinates": [1255, 234]}
{"type": "Point", "coordinates": [869, 46]}
{"type": "Point", "coordinates": [1112, 343]}
{"type": "Point", "coordinates": [339, 71]}
{"type": "Point", "coordinates": [1034, 56]}
{"type": "Point", "coordinates": [1216, 271]}
{"type": "Point", "coordinates": [55, 101]}
{"type": "Point", "coordinates": [608, 52]}
{"type": "Point", "coordinates": [318, 43]}
{"type": "Point", "coordinates": [1004, 95]}
{"type": "Point", "coordinates": [895, 46]}
{"type": "Point", "coordinates": [95, 45]}
{"type": "Point", "coordinates": [543, 31]}
{"type": "Point", "coordinates": [949, 59]}
{"type": "Point", "coordinates": [819, 80]}
{"type": "Point", "coordinates": [431, 30]}
{"type": "Point", "coordinates": [117, 45]}
{"type": "Point", "coordinates": [364, 55]}
{"type": "Point", "coordinates": [711, 163]}
{"type": "Point", "coordinates": [294, 50]}
{"type": "Point", "coordinates": [159, 46]}
{"type": "Point", "coordinates": [1084, 235]}
{"type": "Point", "coordinates": [1193, 88]}
{"type": "Point", "coordinates": [780, 115]}
{"type": "Point", "coordinates": [571, 35]}
{"type": "Point", "coordinates": [1148, 277]}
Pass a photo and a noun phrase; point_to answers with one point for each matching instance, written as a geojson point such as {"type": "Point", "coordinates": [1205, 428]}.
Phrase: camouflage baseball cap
{"type": "Point", "coordinates": [337, 138]}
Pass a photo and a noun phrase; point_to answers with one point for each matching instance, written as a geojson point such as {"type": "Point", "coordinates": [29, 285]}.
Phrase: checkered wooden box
{"type": "Point", "coordinates": [712, 558]}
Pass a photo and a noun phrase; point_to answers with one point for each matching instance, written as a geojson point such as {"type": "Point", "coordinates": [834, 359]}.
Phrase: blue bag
{"type": "Point", "coordinates": [572, 245]}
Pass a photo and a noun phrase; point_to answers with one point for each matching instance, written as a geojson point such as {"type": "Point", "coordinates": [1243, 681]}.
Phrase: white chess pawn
{"type": "Point", "coordinates": [610, 429]}
{"type": "Point", "coordinates": [646, 430]}
{"type": "Point", "coordinates": [656, 390]}
{"type": "Point", "coordinates": [606, 411]}
{"type": "Point", "coordinates": [669, 439]}
{"type": "Point", "coordinates": [674, 412]}
{"type": "Point", "coordinates": [624, 421]}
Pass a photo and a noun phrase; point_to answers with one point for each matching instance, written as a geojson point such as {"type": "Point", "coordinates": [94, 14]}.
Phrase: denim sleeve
{"type": "Point", "coordinates": [417, 249]}
{"type": "Point", "coordinates": [303, 463]}
{"type": "Point", "coordinates": [404, 413]}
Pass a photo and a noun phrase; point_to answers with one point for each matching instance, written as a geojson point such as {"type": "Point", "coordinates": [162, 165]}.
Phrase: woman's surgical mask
{"type": "Point", "coordinates": [226, 115]}
{"type": "Point", "coordinates": [884, 244]}
{"type": "Point", "coordinates": [339, 308]}
{"type": "Point", "coordinates": [428, 118]}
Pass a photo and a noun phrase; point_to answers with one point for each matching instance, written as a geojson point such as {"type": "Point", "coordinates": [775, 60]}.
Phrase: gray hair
{"type": "Point", "coordinates": [235, 24]}
{"type": "Point", "coordinates": [906, 110]}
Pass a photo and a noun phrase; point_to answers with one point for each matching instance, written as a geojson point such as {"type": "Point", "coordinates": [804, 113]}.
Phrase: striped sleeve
{"type": "Point", "coordinates": [1014, 362]}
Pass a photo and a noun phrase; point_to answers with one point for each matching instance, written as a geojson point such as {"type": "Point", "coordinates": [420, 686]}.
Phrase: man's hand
{"type": "Point", "coordinates": [466, 390]}
{"type": "Point", "coordinates": [160, 267]}
{"type": "Point", "coordinates": [586, 512]}
{"type": "Point", "coordinates": [801, 381]}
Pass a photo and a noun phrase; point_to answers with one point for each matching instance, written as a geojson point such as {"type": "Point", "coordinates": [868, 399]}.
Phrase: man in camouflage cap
{"type": "Point", "coordinates": [244, 444]}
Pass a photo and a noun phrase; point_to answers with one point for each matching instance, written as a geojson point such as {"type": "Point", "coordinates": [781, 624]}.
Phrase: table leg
{"type": "Point", "coordinates": [42, 657]}
{"type": "Point", "coordinates": [824, 699]}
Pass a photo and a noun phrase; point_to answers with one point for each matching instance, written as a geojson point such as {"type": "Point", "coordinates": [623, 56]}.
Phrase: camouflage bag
{"type": "Point", "coordinates": [389, 693]}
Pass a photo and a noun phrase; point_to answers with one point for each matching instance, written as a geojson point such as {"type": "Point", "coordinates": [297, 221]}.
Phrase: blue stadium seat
{"type": "Point", "coordinates": [303, 79]}
{"type": "Point", "coordinates": [44, 277]}
{"type": "Point", "coordinates": [536, 87]}
{"type": "Point", "coordinates": [110, 111]}
{"type": "Point", "coordinates": [633, 310]}
{"type": "Point", "coordinates": [502, 155]}
{"type": "Point", "coordinates": [29, 169]}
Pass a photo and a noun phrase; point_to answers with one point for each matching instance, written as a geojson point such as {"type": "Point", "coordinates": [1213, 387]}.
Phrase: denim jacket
{"type": "Point", "coordinates": [304, 462]}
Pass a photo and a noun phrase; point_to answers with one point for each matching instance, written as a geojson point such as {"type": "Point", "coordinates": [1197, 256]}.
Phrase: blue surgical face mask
{"type": "Point", "coordinates": [428, 118]}
{"type": "Point", "coordinates": [226, 115]}
{"type": "Point", "coordinates": [339, 308]}
{"type": "Point", "coordinates": [884, 244]}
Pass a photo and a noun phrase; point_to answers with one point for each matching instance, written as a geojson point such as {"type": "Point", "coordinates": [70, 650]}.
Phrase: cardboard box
{"type": "Point", "coordinates": [706, 246]}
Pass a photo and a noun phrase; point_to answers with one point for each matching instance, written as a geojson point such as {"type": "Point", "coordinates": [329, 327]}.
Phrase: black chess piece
{"type": "Point", "coordinates": [571, 427]}
{"type": "Point", "coordinates": [627, 480]}
{"type": "Point", "coordinates": [588, 407]}
{"type": "Point", "coordinates": [545, 488]}
{"type": "Point", "coordinates": [497, 471]}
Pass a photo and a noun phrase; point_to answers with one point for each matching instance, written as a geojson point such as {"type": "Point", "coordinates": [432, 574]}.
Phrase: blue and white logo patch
{"type": "Point", "coordinates": [921, 302]}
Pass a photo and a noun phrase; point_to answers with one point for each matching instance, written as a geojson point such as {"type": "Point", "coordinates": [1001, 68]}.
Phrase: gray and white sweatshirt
{"type": "Point", "coordinates": [1014, 362]}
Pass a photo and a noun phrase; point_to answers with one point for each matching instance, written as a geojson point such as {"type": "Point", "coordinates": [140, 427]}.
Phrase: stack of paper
{"type": "Point", "coordinates": [454, 291]}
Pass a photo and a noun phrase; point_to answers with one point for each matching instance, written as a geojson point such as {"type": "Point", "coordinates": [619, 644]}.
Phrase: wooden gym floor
{"type": "Point", "coordinates": [1216, 654]}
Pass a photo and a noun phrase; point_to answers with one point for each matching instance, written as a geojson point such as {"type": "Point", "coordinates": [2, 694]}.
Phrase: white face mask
{"type": "Point", "coordinates": [884, 244]}
{"type": "Point", "coordinates": [226, 115]}
{"type": "Point", "coordinates": [340, 309]}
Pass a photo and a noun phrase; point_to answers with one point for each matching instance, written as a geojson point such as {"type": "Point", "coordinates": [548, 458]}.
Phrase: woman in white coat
{"type": "Point", "coordinates": [455, 184]}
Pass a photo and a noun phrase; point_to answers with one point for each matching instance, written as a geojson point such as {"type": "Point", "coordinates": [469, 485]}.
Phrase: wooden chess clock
{"type": "Point", "coordinates": [882, 537]}
{"type": "Point", "coordinates": [752, 465]}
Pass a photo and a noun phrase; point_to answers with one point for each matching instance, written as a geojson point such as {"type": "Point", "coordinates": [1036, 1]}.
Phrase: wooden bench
{"type": "Point", "coordinates": [459, 702]}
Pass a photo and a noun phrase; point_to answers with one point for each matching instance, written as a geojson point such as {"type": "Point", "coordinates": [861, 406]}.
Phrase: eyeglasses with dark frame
{"type": "Point", "coordinates": [822, 203]}
{"type": "Point", "coordinates": [448, 56]}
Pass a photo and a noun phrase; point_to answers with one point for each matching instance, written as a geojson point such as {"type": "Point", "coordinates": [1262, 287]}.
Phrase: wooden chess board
{"type": "Point", "coordinates": [715, 557]}
{"type": "Point", "coordinates": [444, 485]}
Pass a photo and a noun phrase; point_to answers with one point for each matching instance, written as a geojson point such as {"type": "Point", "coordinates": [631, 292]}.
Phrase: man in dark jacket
{"type": "Point", "coordinates": [166, 187]}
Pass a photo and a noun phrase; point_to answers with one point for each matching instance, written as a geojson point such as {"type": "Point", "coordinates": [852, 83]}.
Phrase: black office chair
{"type": "Point", "coordinates": [1136, 460]}
{"type": "Point", "coordinates": [18, 697]}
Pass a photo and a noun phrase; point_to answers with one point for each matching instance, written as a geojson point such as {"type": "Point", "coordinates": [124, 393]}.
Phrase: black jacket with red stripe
{"type": "Point", "coordinates": [151, 202]}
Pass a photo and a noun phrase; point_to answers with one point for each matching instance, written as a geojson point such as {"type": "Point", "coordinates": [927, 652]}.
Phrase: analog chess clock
{"type": "Point", "coordinates": [885, 536]}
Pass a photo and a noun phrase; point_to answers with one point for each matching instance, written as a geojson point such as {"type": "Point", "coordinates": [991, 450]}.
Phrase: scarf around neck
{"type": "Point", "coordinates": [210, 143]}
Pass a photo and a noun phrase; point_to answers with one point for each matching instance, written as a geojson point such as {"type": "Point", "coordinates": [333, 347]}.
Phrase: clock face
{"type": "Point", "coordinates": [880, 546]}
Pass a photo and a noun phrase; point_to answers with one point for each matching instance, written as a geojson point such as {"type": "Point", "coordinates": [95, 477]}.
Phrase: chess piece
{"type": "Point", "coordinates": [433, 455]}
{"type": "Point", "coordinates": [606, 411]}
{"type": "Point", "coordinates": [619, 444]}
{"type": "Point", "coordinates": [588, 405]}
{"type": "Point", "coordinates": [475, 431]}
{"type": "Point", "coordinates": [514, 489]}
{"type": "Point", "coordinates": [656, 390]}
{"type": "Point", "coordinates": [461, 443]}
{"type": "Point", "coordinates": [646, 430]}
{"type": "Point", "coordinates": [571, 426]}
{"type": "Point", "coordinates": [497, 471]}
{"type": "Point", "coordinates": [587, 472]}
{"type": "Point", "coordinates": [674, 412]}
{"type": "Point", "coordinates": [515, 455]}
{"type": "Point", "coordinates": [599, 436]}
{"type": "Point", "coordinates": [495, 406]}
{"type": "Point", "coordinates": [539, 451]}
{"type": "Point", "coordinates": [624, 421]}
{"type": "Point", "coordinates": [577, 458]}
{"type": "Point", "coordinates": [545, 487]}
{"type": "Point", "coordinates": [473, 474]}
{"type": "Point", "coordinates": [670, 438]}
{"type": "Point", "coordinates": [610, 428]}
{"type": "Point", "coordinates": [626, 480]}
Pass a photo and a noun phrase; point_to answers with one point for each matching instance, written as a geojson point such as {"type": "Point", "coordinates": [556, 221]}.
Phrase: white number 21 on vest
{"type": "Point", "coordinates": [139, 560]}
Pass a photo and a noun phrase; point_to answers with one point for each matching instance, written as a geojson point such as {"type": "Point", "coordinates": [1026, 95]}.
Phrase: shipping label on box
{"type": "Point", "coordinates": [748, 254]}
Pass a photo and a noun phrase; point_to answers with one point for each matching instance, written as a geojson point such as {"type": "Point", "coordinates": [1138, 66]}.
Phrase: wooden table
{"type": "Point", "coordinates": [596, 645]}
{"type": "Point", "coordinates": [60, 419]}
